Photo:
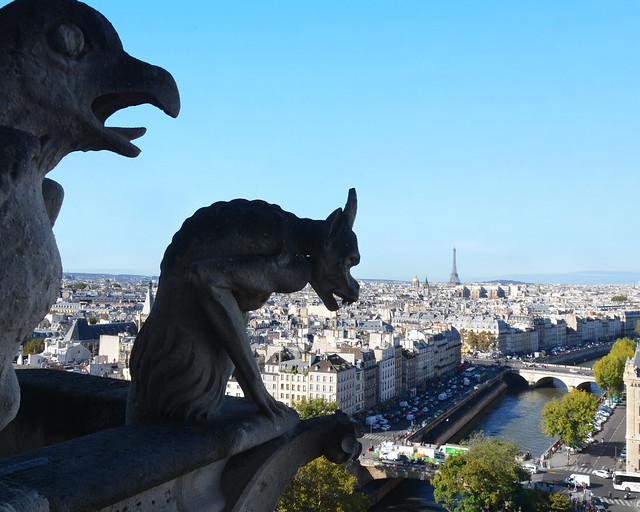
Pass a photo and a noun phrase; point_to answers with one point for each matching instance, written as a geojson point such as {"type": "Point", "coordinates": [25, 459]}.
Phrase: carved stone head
{"type": "Point", "coordinates": [331, 266]}
{"type": "Point", "coordinates": [64, 72]}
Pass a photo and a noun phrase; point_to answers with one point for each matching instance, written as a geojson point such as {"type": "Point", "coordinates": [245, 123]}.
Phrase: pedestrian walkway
{"type": "Point", "coordinates": [376, 438]}
{"type": "Point", "coordinates": [621, 501]}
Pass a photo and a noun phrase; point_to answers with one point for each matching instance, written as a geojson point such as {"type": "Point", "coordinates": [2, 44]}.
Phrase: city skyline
{"type": "Point", "coordinates": [507, 131]}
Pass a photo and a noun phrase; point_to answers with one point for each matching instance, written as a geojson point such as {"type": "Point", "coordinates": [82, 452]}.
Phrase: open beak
{"type": "Point", "coordinates": [133, 83]}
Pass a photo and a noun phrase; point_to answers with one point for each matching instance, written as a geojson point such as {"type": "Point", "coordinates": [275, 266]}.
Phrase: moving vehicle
{"type": "Point", "coordinates": [626, 481]}
{"type": "Point", "coordinates": [602, 473]}
{"type": "Point", "coordinates": [578, 479]}
{"type": "Point", "coordinates": [390, 456]}
{"type": "Point", "coordinates": [531, 468]}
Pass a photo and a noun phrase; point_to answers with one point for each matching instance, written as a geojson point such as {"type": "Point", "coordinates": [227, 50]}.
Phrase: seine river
{"type": "Point", "coordinates": [515, 416]}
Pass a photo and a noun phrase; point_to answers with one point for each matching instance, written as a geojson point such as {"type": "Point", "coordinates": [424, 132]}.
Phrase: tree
{"type": "Point", "coordinates": [314, 407]}
{"type": "Point", "coordinates": [485, 478]}
{"type": "Point", "coordinates": [33, 347]}
{"type": "Point", "coordinates": [540, 501]}
{"type": "Point", "coordinates": [93, 320]}
{"type": "Point", "coordinates": [623, 348]}
{"type": "Point", "coordinates": [321, 485]}
{"type": "Point", "coordinates": [609, 371]}
{"type": "Point", "coordinates": [570, 418]}
{"type": "Point", "coordinates": [619, 298]}
{"type": "Point", "coordinates": [481, 341]}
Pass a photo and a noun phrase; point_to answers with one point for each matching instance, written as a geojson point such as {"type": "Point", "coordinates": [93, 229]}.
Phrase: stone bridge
{"type": "Point", "coordinates": [539, 374]}
{"type": "Point", "coordinates": [379, 470]}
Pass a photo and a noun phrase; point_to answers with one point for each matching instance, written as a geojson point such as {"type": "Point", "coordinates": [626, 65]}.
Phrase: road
{"type": "Point", "coordinates": [596, 456]}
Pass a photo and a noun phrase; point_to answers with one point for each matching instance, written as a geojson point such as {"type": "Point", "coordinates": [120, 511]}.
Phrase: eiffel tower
{"type": "Point", "coordinates": [454, 279]}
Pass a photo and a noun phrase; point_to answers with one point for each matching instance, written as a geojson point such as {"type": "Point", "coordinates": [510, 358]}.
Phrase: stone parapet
{"type": "Point", "coordinates": [239, 462]}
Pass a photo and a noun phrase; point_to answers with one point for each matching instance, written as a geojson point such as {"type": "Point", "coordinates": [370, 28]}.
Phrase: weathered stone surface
{"type": "Point", "coordinates": [226, 260]}
{"type": "Point", "coordinates": [240, 460]}
{"type": "Point", "coordinates": [58, 406]}
{"type": "Point", "coordinates": [64, 72]}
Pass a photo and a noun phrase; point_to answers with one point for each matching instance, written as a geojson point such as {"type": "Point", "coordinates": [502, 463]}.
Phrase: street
{"type": "Point", "coordinates": [595, 456]}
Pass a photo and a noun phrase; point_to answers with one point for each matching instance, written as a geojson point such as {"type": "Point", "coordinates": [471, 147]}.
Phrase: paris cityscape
{"type": "Point", "coordinates": [481, 356]}
{"type": "Point", "coordinates": [403, 356]}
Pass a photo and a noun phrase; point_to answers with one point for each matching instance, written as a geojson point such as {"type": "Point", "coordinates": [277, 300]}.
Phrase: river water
{"type": "Point", "coordinates": [516, 416]}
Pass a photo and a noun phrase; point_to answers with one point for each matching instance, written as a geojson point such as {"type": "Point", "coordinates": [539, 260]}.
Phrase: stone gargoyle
{"type": "Point", "coordinates": [226, 260]}
{"type": "Point", "coordinates": [63, 72]}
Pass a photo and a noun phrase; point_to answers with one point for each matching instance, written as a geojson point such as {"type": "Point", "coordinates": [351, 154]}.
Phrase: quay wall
{"type": "Point", "coordinates": [456, 418]}
{"type": "Point", "coordinates": [578, 356]}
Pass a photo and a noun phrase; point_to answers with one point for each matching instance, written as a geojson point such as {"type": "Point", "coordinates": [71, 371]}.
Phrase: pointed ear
{"type": "Point", "coordinates": [332, 224]}
{"type": "Point", "coordinates": [350, 208]}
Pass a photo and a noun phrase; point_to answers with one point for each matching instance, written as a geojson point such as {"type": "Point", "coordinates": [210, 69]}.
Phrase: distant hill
{"type": "Point", "coordinates": [121, 278]}
{"type": "Point", "coordinates": [504, 282]}
{"type": "Point", "coordinates": [584, 277]}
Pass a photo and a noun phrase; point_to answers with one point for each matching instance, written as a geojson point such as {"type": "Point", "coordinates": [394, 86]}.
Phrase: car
{"type": "Point", "coordinates": [602, 473]}
{"type": "Point", "coordinates": [531, 468]}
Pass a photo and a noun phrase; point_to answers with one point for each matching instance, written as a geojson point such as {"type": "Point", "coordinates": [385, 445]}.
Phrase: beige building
{"type": "Point", "coordinates": [632, 383]}
{"type": "Point", "coordinates": [329, 377]}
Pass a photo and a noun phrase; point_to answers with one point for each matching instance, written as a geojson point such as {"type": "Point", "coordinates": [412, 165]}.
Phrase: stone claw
{"type": "Point", "coordinates": [271, 408]}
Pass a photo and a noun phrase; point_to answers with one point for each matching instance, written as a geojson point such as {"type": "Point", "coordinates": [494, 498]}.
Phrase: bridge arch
{"type": "Point", "coordinates": [537, 377]}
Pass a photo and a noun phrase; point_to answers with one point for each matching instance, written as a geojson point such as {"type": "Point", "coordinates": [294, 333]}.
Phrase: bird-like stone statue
{"type": "Point", "coordinates": [63, 72]}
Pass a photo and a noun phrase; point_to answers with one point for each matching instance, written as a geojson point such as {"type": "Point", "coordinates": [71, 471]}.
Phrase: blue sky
{"type": "Point", "coordinates": [509, 130]}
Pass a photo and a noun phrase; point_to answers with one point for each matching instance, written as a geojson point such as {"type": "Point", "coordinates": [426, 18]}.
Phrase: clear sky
{"type": "Point", "coordinates": [510, 130]}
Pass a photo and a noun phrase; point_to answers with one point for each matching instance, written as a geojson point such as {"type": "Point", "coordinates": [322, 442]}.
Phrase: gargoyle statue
{"type": "Point", "coordinates": [226, 260]}
{"type": "Point", "coordinates": [63, 72]}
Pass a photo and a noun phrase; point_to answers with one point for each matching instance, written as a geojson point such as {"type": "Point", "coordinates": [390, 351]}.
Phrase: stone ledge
{"type": "Point", "coordinates": [102, 469]}
{"type": "Point", "coordinates": [57, 406]}
{"type": "Point", "coordinates": [239, 462]}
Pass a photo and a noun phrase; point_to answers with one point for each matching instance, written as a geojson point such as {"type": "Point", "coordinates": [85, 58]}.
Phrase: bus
{"type": "Point", "coordinates": [625, 481]}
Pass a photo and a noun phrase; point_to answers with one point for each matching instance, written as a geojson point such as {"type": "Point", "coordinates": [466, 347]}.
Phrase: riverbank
{"type": "Point", "coordinates": [441, 430]}
{"type": "Point", "coordinates": [457, 417]}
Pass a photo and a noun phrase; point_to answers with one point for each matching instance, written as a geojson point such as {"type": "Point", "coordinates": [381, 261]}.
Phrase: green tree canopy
{"type": "Point", "coordinates": [321, 486]}
{"type": "Point", "coordinates": [481, 341]}
{"type": "Point", "coordinates": [484, 479]}
{"type": "Point", "coordinates": [570, 418]}
{"type": "Point", "coordinates": [33, 347]}
{"type": "Point", "coordinates": [540, 501]}
{"type": "Point", "coordinates": [314, 407]}
{"type": "Point", "coordinates": [609, 370]}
